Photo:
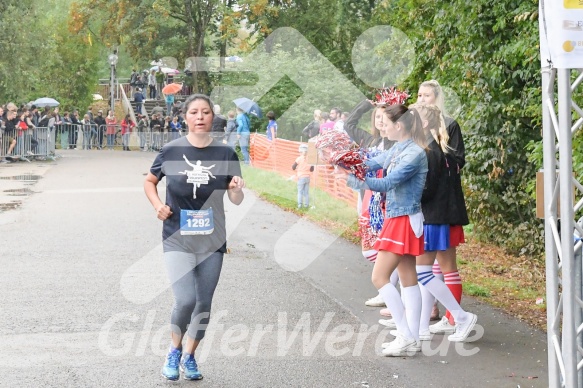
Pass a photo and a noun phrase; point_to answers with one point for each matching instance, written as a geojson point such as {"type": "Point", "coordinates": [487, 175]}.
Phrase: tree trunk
{"type": "Point", "coordinates": [202, 77]}
{"type": "Point", "coordinates": [190, 23]}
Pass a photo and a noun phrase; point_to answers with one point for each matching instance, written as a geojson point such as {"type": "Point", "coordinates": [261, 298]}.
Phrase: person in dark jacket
{"type": "Point", "coordinates": [73, 133]}
{"type": "Point", "coordinates": [100, 122]}
{"type": "Point", "coordinates": [435, 206]}
{"type": "Point", "coordinates": [10, 128]}
{"type": "Point", "coordinates": [34, 115]}
{"type": "Point", "coordinates": [219, 124]}
{"type": "Point", "coordinates": [142, 125]}
{"type": "Point", "coordinates": [156, 126]}
{"type": "Point", "coordinates": [430, 92]}
{"type": "Point", "coordinates": [139, 99]}
{"type": "Point", "coordinates": [313, 128]}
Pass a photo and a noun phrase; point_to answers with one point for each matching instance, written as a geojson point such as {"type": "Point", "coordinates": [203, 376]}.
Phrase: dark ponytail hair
{"type": "Point", "coordinates": [410, 120]}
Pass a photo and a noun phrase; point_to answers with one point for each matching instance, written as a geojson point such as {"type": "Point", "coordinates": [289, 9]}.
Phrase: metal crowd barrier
{"type": "Point", "coordinates": [88, 136]}
{"type": "Point", "coordinates": [26, 145]}
{"type": "Point", "coordinates": [110, 137]}
{"type": "Point", "coordinates": [155, 140]}
{"type": "Point", "coordinates": [43, 143]}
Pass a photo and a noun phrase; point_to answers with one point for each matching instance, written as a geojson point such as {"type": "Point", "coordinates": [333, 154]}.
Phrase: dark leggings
{"type": "Point", "coordinates": [194, 278]}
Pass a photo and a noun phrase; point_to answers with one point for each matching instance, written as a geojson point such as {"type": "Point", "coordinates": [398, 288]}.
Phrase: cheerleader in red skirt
{"type": "Point", "coordinates": [404, 169]}
{"type": "Point", "coordinates": [374, 143]}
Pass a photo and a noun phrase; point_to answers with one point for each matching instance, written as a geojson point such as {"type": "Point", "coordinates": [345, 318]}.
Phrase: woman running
{"type": "Point", "coordinates": [199, 172]}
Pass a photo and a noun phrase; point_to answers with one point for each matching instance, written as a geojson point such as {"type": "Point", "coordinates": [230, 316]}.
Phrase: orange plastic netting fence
{"type": "Point", "coordinates": [279, 156]}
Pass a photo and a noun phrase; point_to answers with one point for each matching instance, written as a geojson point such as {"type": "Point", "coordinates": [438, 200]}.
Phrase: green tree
{"type": "Point", "coordinates": [165, 28]}
{"type": "Point", "coordinates": [41, 58]}
{"type": "Point", "coordinates": [487, 52]}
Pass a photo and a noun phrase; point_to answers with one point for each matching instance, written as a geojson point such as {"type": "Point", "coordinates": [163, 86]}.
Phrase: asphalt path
{"type": "Point", "coordinates": [86, 302]}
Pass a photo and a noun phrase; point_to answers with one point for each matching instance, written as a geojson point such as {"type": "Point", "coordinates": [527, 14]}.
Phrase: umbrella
{"type": "Point", "coordinates": [248, 106]}
{"type": "Point", "coordinates": [172, 88]}
{"type": "Point", "coordinates": [165, 70]}
{"type": "Point", "coordinates": [46, 101]}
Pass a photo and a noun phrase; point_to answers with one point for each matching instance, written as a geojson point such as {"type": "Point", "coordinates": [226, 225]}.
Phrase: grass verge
{"type": "Point", "coordinates": [513, 284]}
{"type": "Point", "coordinates": [334, 215]}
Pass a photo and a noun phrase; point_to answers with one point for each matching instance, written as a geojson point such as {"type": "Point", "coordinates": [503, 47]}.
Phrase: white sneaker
{"type": "Point", "coordinates": [401, 346]}
{"type": "Point", "coordinates": [442, 327]}
{"type": "Point", "coordinates": [425, 336]}
{"type": "Point", "coordinates": [377, 301]}
{"type": "Point", "coordinates": [463, 329]}
{"type": "Point", "coordinates": [390, 323]}
{"type": "Point", "coordinates": [422, 336]}
{"type": "Point", "coordinates": [416, 348]}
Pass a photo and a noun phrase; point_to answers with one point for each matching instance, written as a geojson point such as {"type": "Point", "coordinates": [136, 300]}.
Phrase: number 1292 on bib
{"type": "Point", "coordinates": [196, 222]}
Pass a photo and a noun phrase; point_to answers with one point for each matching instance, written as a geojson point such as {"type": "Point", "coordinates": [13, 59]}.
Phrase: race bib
{"type": "Point", "coordinates": [196, 222]}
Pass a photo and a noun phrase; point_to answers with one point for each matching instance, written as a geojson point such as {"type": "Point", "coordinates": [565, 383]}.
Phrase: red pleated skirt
{"type": "Point", "coordinates": [456, 235]}
{"type": "Point", "coordinates": [397, 236]}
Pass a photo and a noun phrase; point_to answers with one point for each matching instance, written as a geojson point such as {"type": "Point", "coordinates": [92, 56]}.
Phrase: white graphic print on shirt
{"type": "Point", "coordinates": [199, 175]}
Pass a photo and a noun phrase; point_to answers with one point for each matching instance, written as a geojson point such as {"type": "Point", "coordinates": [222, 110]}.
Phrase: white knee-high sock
{"type": "Point", "coordinates": [394, 279]}
{"type": "Point", "coordinates": [413, 308]}
{"type": "Point", "coordinates": [393, 301]}
{"type": "Point", "coordinates": [427, 298]}
{"type": "Point", "coordinates": [442, 293]}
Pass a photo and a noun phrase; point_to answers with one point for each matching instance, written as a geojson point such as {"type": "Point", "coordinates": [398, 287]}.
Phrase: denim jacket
{"type": "Point", "coordinates": [406, 169]}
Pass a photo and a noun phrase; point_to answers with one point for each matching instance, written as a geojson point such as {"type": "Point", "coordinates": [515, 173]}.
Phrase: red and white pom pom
{"type": "Point", "coordinates": [337, 149]}
{"type": "Point", "coordinates": [391, 96]}
{"type": "Point", "coordinates": [352, 160]}
{"type": "Point", "coordinates": [332, 142]}
{"type": "Point", "coordinates": [367, 236]}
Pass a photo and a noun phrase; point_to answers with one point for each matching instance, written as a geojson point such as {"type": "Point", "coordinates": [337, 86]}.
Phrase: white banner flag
{"type": "Point", "coordinates": [561, 33]}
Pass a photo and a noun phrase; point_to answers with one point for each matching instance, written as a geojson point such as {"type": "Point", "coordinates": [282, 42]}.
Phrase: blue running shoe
{"type": "Point", "coordinates": [190, 368]}
{"type": "Point", "coordinates": [170, 368]}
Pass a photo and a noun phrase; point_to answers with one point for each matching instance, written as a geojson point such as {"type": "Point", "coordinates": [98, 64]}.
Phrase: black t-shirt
{"type": "Point", "coordinates": [214, 166]}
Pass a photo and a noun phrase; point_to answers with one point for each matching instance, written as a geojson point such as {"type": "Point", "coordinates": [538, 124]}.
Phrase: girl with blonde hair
{"type": "Point", "coordinates": [313, 128]}
{"type": "Point", "coordinates": [436, 228]}
{"type": "Point", "coordinates": [431, 92]}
